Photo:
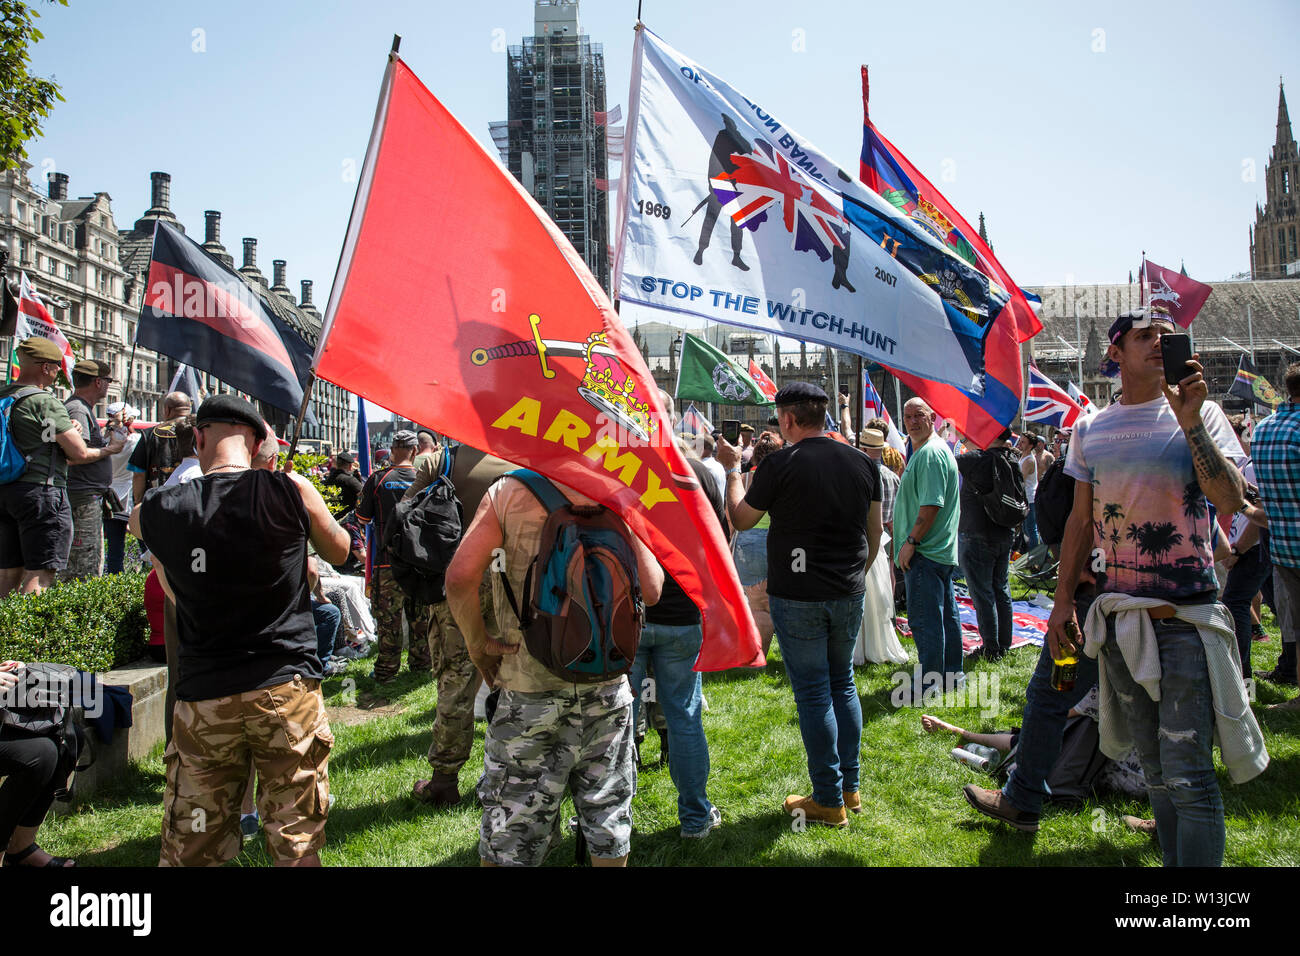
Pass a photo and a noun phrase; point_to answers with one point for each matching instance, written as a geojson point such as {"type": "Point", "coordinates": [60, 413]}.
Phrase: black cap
{"type": "Point", "coordinates": [797, 392]}
{"type": "Point", "coordinates": [231, 410]}
{"type": "Point", "coordinates": [1137, 319]}
{"type": "Point", "coordinates": [343, 458]}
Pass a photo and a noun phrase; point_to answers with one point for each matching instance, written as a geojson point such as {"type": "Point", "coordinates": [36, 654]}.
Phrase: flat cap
{"type": "Point", "coordinates": [94, 367]}
{"type": "Point", "coordinates": [41, 348]}
{"type": "Point", "coordinates": [344, 459]}
{"type": "Point", "coordinates": [405, 439]}
{"type": "Point", "coordinates": [231, 410]}
{"type": "Point", "coordinates": [800, 392]}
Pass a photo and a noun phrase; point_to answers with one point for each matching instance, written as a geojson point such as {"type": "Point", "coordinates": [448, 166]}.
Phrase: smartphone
{"type": "Point", "coordinates": [731, 431]}
{"type": "Point", "coordinates": [1176, 350]}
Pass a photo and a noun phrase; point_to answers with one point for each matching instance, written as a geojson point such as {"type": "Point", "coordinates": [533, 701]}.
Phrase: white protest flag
{"type": "Point", "coordinates": [727, 214]}
{"type": "Point", "coordinates": [1080, 399]}
{"type": "Point", "coordinates": [35, 319]}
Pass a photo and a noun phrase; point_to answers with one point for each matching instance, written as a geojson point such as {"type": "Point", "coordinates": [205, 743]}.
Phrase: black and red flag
{"type": "Point", "coordinates": [204, 314]}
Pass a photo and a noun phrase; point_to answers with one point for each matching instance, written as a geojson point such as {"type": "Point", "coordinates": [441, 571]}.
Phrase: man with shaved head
{"type": "Point", "coordinates": [926, 515]}
{"type": "Point", "coordinates": [156, 457]}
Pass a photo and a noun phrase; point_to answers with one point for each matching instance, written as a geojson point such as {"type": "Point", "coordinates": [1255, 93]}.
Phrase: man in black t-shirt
{"type": "Point", "coordinates": [230, 549]}
{"type": "Point", "coordinates": [379, 498]}
{"type": "Point", "coordinates": [348, 484]}
{"type": "Point", "coordinates": [156, 454]}
{"type": "Point", "coordinates": [983, 547]}
{"type": "Point", "coordinates": [824, 500]}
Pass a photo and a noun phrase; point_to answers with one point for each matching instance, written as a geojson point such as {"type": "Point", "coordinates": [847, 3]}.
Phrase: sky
{"type": "Point", "coordinates": [1086, 132]}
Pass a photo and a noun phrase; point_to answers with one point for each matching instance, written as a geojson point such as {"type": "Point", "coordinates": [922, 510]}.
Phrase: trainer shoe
{"type": "Point", "coordinates": [814, 812]}
{"type": "Point", "coordinates": [993, 804]}
{"type": "Point", "coordinates": [715, 821]}
{"type": "Point", "coordinates": [853, 801]}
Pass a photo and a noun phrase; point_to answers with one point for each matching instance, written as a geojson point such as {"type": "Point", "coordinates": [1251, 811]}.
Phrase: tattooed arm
{"type": "Point", "coordinates": [1219, 478]}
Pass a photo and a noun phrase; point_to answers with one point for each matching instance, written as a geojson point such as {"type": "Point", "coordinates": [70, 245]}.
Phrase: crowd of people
{"type": "Point", "coordinates": [1178, 522]}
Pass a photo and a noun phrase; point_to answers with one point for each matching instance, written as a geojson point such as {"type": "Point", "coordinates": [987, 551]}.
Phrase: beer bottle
{"type": "Point", "coordinates": [1065, 667]}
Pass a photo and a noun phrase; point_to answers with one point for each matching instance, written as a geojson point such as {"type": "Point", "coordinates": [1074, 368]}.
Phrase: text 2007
{"type": "Point", "coordinates": [885, 277]}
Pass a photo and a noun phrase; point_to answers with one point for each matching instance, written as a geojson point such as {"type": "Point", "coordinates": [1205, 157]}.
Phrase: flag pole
{"type": "Point", "coordinates": [306, 397]}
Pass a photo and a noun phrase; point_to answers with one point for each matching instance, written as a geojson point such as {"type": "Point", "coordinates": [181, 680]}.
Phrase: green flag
{"type": "Point", "coordinates": [707, 375]}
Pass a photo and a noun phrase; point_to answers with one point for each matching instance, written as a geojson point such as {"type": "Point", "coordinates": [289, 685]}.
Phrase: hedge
{"type": "Point", "coordinates": [95, 625]}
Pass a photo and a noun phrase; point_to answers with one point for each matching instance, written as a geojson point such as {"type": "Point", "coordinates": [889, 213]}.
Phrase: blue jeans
{"type": "Point", "coordinates": [115, 545]}
{"type": "Point", "coordinates": [932, 616]}
{"type": "Point", "coordinates": [672, 651]}
{"type": "Point", "coordinates": [984, 561]}
{"type": "Point", "coordinates": [1031, 526]}
{"type": "Point", "coordinates": [1245, 580]}
{"type": "Point", "coordinates": [817, 639]}
{"type": "Point", "coordinates": [1042, 728]}
{"type": "Point", "coordinates": [1174, 740]}
{"type": "Point", "coordinates": [327, 618]}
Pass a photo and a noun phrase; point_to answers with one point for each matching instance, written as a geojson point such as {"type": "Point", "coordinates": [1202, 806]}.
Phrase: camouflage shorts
{"type": "Point", "coordinates": [86, 559]}
{"type": "Point", "coordinates": [283, 731]}
{"type": "Point", "coordinates": [538, 745]}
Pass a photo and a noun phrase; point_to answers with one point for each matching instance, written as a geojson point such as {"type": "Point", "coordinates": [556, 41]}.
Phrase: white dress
{"type": "Point", "coordinates": [877, 639]}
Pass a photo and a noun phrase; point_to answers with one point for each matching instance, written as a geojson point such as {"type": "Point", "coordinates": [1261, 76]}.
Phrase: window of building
{"type": "Point", "coordinates": [1286, 182]}
{"type": "Point", "coordinates": [69, 272]}
{"type": "Point", "coordinates": [53, 266]}
{"type": "Point", "coordinates": [22, 252]}
{"type": "Point", "coordinates": [1294, 254]}
{"type": "Point", "coordinates": [22, 211]}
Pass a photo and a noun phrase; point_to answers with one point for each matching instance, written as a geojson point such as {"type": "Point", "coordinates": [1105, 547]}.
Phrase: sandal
{"type": "Point", "coordinates": [16, 859]}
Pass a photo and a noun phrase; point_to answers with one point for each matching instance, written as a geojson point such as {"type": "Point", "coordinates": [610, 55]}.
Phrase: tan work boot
{"type": "Point", "coordinates": [853, 801]}
{"type": "Point", "coordinates": [813, 812]}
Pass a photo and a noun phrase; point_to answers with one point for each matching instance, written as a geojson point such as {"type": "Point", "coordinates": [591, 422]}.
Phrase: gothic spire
{"type": "Point", "coordinates": [1283, 118]}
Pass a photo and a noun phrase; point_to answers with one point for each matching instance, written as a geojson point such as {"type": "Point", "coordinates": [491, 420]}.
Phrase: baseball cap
{"type": "Point", "coordinates": [1142, 318]}
{"type": "Point", "coordinates": [405, 438]}
{"type": "Point", "coordinates": [41, 349]}
{"type": "Point", "coordinates": [123, 409]}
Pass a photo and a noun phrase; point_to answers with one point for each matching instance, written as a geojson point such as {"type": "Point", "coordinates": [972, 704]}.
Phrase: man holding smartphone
{"type": "Point", "coordinates": [1170, 682]}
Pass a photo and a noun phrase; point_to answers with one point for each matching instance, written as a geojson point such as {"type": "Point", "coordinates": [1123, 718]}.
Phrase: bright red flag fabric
{"type": "Point", "coordinates": [1181, 295]}
{"type": "Point", "coordinates": [765, 384]}
{"type": "Point", "coordinates": [459, 304]}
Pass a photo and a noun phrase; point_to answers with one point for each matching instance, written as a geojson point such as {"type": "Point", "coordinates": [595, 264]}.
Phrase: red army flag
{"type": "Point", "coordinates": [1181, 295]}
{"type": "Point", "coordinates": [459, 304]}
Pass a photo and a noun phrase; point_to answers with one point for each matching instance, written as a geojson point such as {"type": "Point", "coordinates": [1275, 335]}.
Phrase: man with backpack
{"type": "Point", "coordinates": [429, 517]}
{"type": "Point", "coordinates": [992, 506]}
{"type": "Point", "coordinates": [549, 732]}
{"type": "Point", "coordinates": [39, 442]}
{"type": "Point", "coordinates": [379, 497]}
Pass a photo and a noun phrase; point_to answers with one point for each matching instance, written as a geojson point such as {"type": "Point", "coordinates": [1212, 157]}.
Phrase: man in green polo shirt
{"type": "Point", "coordinates": [35, 513]}
{"type": "Point", "coordinates": [926, 514]}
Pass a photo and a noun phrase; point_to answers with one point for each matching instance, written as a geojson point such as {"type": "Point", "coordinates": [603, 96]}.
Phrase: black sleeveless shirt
{"type": "Point", "coordinates": [234, 546]}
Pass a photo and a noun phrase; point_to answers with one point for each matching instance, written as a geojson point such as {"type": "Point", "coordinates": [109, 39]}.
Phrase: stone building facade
{"type": "Point", "coordinates": [1275, 237]}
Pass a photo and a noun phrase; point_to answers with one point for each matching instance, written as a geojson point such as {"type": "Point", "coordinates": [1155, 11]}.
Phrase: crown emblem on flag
{"type": "Point", "coordinates": [608, 387]}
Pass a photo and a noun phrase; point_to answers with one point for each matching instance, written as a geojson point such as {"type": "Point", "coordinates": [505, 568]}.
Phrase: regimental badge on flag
{"type": "Point", "coordinates": [765, 384]}
{"type": "Point", "coordinates": [708, 375]}
{"type": "Point", "coordinates": [1011, 317]}
{"type": "Point", "coordinates": [34, 319]}
{"type": "Point", "coordinates": [1253, 387]}
{"type": "Point", "coordinates": [206, 315]}
{"type": "Point", "coordinates": [1181, 295]}
{"type": "Point", "coordinates": [1048, 403]}
{"type": "Point", "coordinates": [496, 334]}
{"type": "Point", "coordinates": [728, 214]}
{"type": "Point", "coordinates": [1080, 399]}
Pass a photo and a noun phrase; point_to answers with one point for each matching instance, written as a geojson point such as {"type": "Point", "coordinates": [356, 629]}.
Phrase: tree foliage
{"type": "Point", "coordinates": [25, 100]}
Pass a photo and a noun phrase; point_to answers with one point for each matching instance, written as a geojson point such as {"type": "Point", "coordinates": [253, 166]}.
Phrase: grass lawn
{"type": "Point", "coordinates": [911, 789]}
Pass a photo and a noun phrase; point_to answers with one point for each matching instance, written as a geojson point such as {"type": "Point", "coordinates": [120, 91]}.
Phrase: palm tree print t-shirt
{"type": "Point", "coordinates": [1151, 523]}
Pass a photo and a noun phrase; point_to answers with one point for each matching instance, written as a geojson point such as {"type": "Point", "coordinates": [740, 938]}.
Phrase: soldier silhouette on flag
{"type": "Point", "coordinates": [729, 140]}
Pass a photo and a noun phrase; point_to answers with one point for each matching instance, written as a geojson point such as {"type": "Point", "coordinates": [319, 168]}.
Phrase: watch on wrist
{"type": "Point", "coordinates": [913, 542]}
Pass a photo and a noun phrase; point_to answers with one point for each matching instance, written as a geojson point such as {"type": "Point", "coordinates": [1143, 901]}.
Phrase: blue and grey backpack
{"type": "Point", "coordinates": [12, 461]}
{"type": "Point", "coordinates": [583, 613]}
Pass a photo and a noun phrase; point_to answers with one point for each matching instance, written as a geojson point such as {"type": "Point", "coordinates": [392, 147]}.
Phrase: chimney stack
{"type": "Point", "coordinates": [306, 294]}
{"type": "Point", "coordinates": [58, 185]}
{"type": "Point", "coordinates": [212, 226]}
{"type": "Point", "coordinates": [250, 254]}
{"type": "Point", "coordinates": [278, 266]}
{"type": "Point", "coordinates": [161, 191]}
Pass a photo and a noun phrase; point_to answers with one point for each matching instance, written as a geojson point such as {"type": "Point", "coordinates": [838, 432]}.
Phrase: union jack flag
{"type": "Point", "coordinates": [694, 423]}
{"type": "Point", "coordinates": [1047, 402]}
{"type": "Point", "coordinates": [763, 180]}
{"type": "Point", "coordinates": [765, 384]}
